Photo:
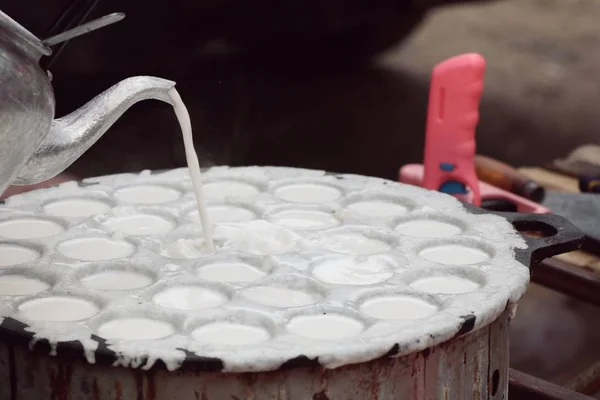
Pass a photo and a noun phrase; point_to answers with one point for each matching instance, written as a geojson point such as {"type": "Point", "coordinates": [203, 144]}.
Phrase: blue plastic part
{"type": "Point", "coordinates": [447, 167]}
{"type": "Point", "coordinates": [453, 187]}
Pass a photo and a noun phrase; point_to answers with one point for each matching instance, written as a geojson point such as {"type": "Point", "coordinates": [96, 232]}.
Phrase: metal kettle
{"type": "Point", "coordinates": [34, 146]}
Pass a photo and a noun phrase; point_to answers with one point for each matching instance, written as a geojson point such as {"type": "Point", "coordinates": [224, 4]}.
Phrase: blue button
{"type": "Point", "coordinates": [448, 167]}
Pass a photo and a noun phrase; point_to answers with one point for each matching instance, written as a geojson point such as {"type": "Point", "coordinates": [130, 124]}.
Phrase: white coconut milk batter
{"type": "Point", "coordinates": [454, 254]}
{"type": "Point", "coordinates": [193, 164]}
{"type": "Point", "coordinates": [140, 224]}
{"type": "Point", "coordinates": [147, 194]}
{"type": "Point", "coordinates": [445, 284]}
{"type": "Point", "coordinates": [76, 207]}
{"type": "Point", "coordinates": [257, 237]}
{"type": "Point", "coordinates": [189, 298]}
{"type": "Point", "coordinates": [353, 271]}
{"type": "Point", "coordinates": [428, 228]}
{"type": "Point", "coordinates": [95, 249]}
{"type": "Point", "coordinates": [378, 208]}
{"type": "Point", "coordinates": [305, 219]}
{"type": "Point", "coordinates": [116, 280]}
{"type": "Point", "coordinates": [353, 243]}
{"type": "Point", "coordinates": [29, 228]}
{"type": "Point", "coordinates": [230, 272]}
{"type": "Point", "coordinates": [325, 327]}
{"type": "Point", "coordinates": [225, 213]}
{"type": "Point", "coordinates": [230, 334]}
{"type": "Point", "coordinates": [19, 285]}
{"type": "Point", "coordinates": [57, 308]}
{"type": "Point", "coordinates": [229, 189]}
{"type": "Point", "coordinates": [308, 193]}
{"type": "Point", "coordinates": [397, 308]}
{"type": "Point", "coordinates": [135, 328]}
{"type": "Point", "coordinates": [11, 254]}
{"type": "Point", "coordinates": [274, 296]}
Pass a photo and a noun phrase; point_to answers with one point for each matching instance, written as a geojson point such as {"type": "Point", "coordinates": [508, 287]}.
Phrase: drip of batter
{"type": "Point", "coordinates": [193, 165]}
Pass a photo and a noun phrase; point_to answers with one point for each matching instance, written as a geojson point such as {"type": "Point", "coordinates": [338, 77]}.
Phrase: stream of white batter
{"type": "Point", "coordinates": [193, 164]}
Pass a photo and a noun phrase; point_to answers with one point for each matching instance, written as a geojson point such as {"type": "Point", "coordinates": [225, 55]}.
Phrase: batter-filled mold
{"type": "Point", "coordinates": [334, 268]}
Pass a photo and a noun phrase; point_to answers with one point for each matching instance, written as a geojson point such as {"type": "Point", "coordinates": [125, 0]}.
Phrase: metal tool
{"type": "Point", "coordinates": [33, 146]}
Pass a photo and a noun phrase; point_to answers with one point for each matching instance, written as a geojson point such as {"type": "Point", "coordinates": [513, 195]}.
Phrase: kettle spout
{"type": "Point", "coordinates": [75, 133]}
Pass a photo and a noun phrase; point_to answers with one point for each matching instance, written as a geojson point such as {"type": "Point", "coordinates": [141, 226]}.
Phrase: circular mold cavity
{"type": "Point", "coordinates": [455, 253]}
{"type": "Point", "coordinates": [224, 213]}
{"type": "Point", "coordinates": [140, 224]}
{"type": "Point", "coordinates": [353, 243]}
{"type": "Point", "coordinates": [29, 228]}
{"type": "Point", "coordinates": [353, 271]}
{"type": "Point", "coordinates": [230, 334]}
{"type": "Point", "coordinates": [188, 248]}
{"type": "Point", "coordinates": [116, 279]}
{"type": "Point", "coordinates": [230, 272]}
{"type": "Point", "coordinates": [76, 207]}
{"type": "Point", "coordinates": [380, 207]}
{"type": "Point", "coordinates": [300, 219]}
{"type": "Point", "coordinates": [308, 193]}
{"type": "Point", "coordinates": [433, 227]}
{"type": "Point", "coordinates": [95, 249]}
{"type": "Point", "coordinates": [229, 189]}
{"type": "Point", "coordinates": [397, 307]}
{"type": "Point", "coordinates": [280, 297]}
{"type": "Point", "coordinates": [135, 328]}
{"type": "Point", "coordinates": [57, 309]}
{"type": "Point", "coordinates": [188, 297]}
{"type": "Point", "coordinates": [14, 254]}
{"type": "Point", "coordinates": [21, 285]}
{"type": "Point", "coordinates": [445, 285]}
{"type": "Point", "coordinates": [147, 194]}
{"type": "Point", "coordinates": [328, 326]}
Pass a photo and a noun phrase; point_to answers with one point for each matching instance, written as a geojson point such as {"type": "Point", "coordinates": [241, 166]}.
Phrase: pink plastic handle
{"type": "Point", "coordinates": [453, 114]}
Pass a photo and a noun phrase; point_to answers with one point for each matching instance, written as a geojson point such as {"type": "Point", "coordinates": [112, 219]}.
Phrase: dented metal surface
{"type": "Point", "coordinates": [473, 366]}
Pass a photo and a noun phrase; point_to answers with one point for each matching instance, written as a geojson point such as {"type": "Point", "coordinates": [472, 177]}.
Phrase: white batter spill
{"type": "Point", "coordinates": [29, 228]}
{"type": "Point", "coordinates": [12, 254]}
{"type": "Point", "coordinates": [397, 308]}
{"type": "Point", "coordinates": [274, 296]}
{"type": "Point", "coordinates": [116, 280]}
{"type": "Point", "coordinates": [193, 164]}
{"type": "Point", "coordinates": [76, 207]}
{"type": "Point", "coordinates": [189, 298]}
{"type": "Point", "coordinates": [19, 285]}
